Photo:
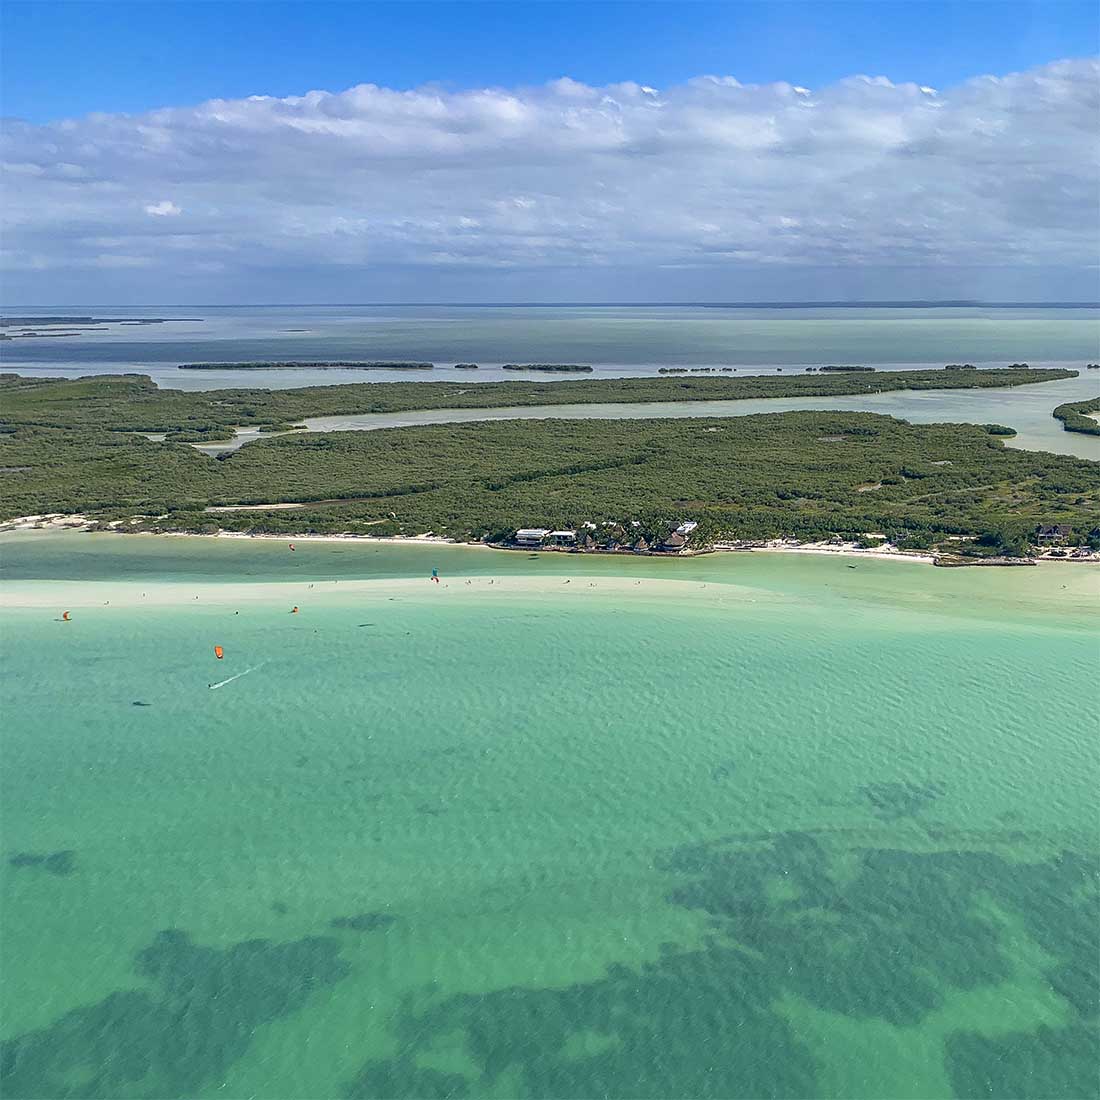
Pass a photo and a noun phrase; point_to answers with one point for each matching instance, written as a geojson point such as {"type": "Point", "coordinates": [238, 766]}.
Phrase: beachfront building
{"type": "Point", "coordinates": [531, 536]}
{"type": "Point", "coordinates": [675, 542]}
{"type": "Point", "coordinates": [1053, 532]}
{"type": "Point", "coordinates": [563, 538]}
{"type": "Point", "coordinates": [686, 527]}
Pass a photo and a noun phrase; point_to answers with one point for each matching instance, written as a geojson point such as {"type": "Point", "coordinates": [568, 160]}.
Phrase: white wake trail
{"type": "Point", "coordinates": [222, 683]}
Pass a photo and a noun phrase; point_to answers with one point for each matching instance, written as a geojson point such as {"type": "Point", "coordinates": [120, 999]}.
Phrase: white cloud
{"type": "Point", "coordinates": [995, 171]}
{"type": "Point", "coordinates": [163, 209]}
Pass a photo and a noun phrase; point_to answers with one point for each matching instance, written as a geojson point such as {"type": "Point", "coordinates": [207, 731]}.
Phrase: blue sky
{"type": "Point", "coordinates": [258, 152]}
{"type": "Point", "coordinates": [65, 59]}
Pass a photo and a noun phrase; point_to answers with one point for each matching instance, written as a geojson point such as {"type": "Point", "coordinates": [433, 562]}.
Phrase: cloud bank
{"type": "Point", "coordinates": [710, 174]}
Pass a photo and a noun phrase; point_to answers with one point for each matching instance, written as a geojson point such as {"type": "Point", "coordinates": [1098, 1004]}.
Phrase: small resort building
{"type": "Point", "coordinates": [617, 537]}
{"type": "Point", "coordinates": [1053, 532]}
{"type": "Point", "coordinates": [531, 536]}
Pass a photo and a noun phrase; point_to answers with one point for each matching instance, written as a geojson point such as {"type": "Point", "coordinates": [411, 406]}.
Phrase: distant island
{"type": "Point", "coordinates": [31, 334]}
{"type": "Point", "coordinates": [559, 368]}
{"type": "Point", "coordinates": [299, 364]}
{"type": "Point", "coordinates": [47, 321]}
{"type": "Point", "coordinates": [31, 324]}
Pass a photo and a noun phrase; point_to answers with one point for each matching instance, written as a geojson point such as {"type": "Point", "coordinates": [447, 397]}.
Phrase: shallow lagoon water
{"type": "Point", "coordinates": [808, 830]}
{"type": "Point", "coordinates": [1025, 408]}
{"type": "Point", "coordinates": [616, 340]}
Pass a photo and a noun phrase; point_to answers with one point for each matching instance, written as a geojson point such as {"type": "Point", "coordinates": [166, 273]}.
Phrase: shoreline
{"type": "Point", "coordinates": [57, 522]}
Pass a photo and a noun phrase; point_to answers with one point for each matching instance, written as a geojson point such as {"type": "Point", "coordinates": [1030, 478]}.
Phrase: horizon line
{"type": "Point", "coordinates": [899, 303]}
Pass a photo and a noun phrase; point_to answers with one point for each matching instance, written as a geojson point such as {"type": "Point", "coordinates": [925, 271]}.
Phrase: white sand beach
{"type": "Point", "coordinates": [77, 522]}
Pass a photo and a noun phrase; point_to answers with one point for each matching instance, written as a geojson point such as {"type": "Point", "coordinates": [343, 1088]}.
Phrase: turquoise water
{"type": "Point", "coordinates": [618, 340]}
{"type": "Point", "coordinates": [733, 826]}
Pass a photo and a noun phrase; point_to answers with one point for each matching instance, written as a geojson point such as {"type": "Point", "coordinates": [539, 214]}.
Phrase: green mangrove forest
{"type": "Point", "coordinates": [1074, 418]}
{"type": "Point", "coordinates": [134, 403]}
{"type": "Point", "coordinates": [72, 447]}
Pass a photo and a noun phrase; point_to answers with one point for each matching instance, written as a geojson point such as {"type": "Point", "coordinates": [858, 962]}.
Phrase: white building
{"type": "Point", "coordinates": [532, 536]}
